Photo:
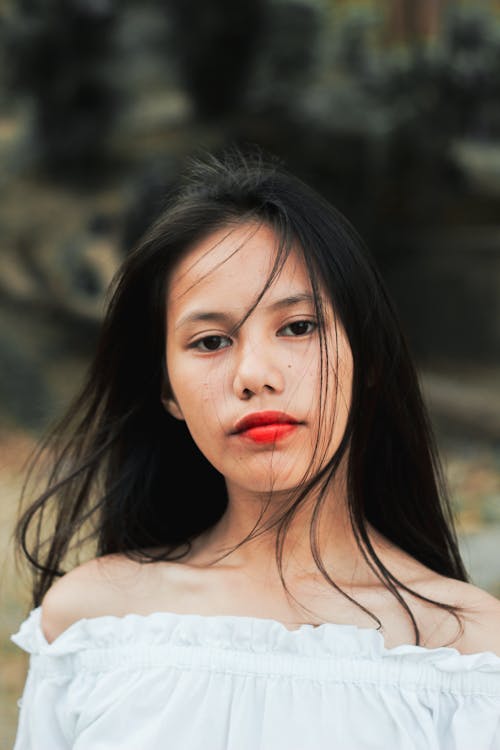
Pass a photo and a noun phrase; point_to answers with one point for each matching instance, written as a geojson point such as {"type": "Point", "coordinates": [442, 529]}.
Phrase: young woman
{"type": "Point", "coordinates": [275, 563]}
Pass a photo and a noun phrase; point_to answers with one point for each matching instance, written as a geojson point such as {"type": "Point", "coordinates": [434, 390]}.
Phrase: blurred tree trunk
{"type": "Point", "coordinates": [411, 22]}
{"type": "Point", "coordinates": [215, 43]}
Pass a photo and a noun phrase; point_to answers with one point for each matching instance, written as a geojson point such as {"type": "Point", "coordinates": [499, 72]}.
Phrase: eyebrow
{"type": "Point", "coordinates": [224, 317]}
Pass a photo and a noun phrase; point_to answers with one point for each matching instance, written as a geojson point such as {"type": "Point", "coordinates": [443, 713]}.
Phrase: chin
{"type": "Point", "coordinates": [277, 485]}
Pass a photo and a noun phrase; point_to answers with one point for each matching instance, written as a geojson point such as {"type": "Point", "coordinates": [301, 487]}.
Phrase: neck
{"type": "Point", "coordinates": [251, 518]}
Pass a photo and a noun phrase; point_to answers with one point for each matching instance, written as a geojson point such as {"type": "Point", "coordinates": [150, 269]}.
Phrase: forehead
{"type": "Point", "coordinates": [231, 266]}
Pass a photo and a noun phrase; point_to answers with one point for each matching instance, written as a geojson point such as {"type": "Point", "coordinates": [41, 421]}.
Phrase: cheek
{"type": "Point", "coordinates": [206, 395]}
{"type": "Point", "coordinates": [340, 400]}
{"type": "Point", "coordinates": [337, 387]}
{"type": "Point", "coordinates": [304, 367]}
{"type": "Point", "coordinates": [198, 394]}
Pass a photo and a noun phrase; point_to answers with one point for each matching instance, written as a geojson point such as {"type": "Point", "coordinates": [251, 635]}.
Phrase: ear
{"type": "Point", "coordinates": [172, 407]}
{"type": "Point", "coordinates": [169, 401]}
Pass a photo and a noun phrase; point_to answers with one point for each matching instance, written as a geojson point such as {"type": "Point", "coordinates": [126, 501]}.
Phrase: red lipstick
{"type": "Point", "coordinates": [265, 426]}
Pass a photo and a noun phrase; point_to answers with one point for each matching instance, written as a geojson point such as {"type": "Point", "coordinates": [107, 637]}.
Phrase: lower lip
{"type": "Point", "coordinates": [268, 433]}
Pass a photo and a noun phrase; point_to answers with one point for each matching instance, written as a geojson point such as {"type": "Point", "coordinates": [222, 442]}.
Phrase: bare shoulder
{"type": "Point", "coordinates": [482, 621]}
{"type": "Point", "coordinates": [478, 610]}
{"type": "Point", "coordinates": [102, 586]}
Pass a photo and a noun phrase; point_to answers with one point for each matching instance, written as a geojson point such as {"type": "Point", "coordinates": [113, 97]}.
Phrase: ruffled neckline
{"type": "Point", "coordinates": [241, 633]}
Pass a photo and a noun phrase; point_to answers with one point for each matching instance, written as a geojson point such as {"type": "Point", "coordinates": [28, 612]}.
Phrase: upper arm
{"type": "Point", "coordinates": [86, 591]}
{"type": "Point", "coordinates": [48, 713]}
{"type": "Point", "coordinates": [491, 625]}
{"type": "Point", "coordinates": [482, 628]}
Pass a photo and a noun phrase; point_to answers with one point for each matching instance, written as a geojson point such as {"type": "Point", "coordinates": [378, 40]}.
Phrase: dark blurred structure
{"type": "Point", "coordinates": [215, 44]}
{"type": "Point", "coordinates": [56, 52]}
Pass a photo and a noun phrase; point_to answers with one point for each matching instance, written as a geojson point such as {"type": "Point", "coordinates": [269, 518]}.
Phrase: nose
{"type": "Point", "coordinates": [256, 373]}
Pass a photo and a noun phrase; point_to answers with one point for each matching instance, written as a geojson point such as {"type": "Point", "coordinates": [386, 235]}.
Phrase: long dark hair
{"type": "Point", "coordinates": [114, 477]}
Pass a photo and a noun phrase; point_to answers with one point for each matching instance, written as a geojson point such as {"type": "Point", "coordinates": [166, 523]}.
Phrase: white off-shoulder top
{"type": "Point", "coordinates": [190, 682]}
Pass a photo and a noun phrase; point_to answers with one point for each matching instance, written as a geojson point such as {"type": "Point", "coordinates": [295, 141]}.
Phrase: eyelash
{"type": "Point", "coordinates": [198, 343]}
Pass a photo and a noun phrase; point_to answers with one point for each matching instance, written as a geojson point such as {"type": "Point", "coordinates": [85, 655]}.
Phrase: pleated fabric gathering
{"type": "Point", "coordinates": [242, 683]}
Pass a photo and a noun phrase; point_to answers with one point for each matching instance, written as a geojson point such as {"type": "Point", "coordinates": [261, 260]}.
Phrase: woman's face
{"type": "Point", "coordinates": [251, 398]}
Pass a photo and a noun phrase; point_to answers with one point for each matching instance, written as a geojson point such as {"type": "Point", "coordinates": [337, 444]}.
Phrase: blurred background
{"type": "Point", "coordinates": [390, 108]}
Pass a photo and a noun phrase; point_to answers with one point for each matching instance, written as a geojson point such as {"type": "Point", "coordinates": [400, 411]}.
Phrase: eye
{"type": "Point", "coordinates": [211, 343]}
{"type": "Point", "coordinates": [298, 328]}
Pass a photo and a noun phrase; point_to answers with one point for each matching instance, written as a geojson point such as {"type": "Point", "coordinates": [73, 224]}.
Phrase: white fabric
{"type": "Point", "coordinates": [192, 682]}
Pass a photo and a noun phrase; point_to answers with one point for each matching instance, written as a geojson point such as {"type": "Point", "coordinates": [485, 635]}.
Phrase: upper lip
{"type": "Point", "coordinates": [262, 418]}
